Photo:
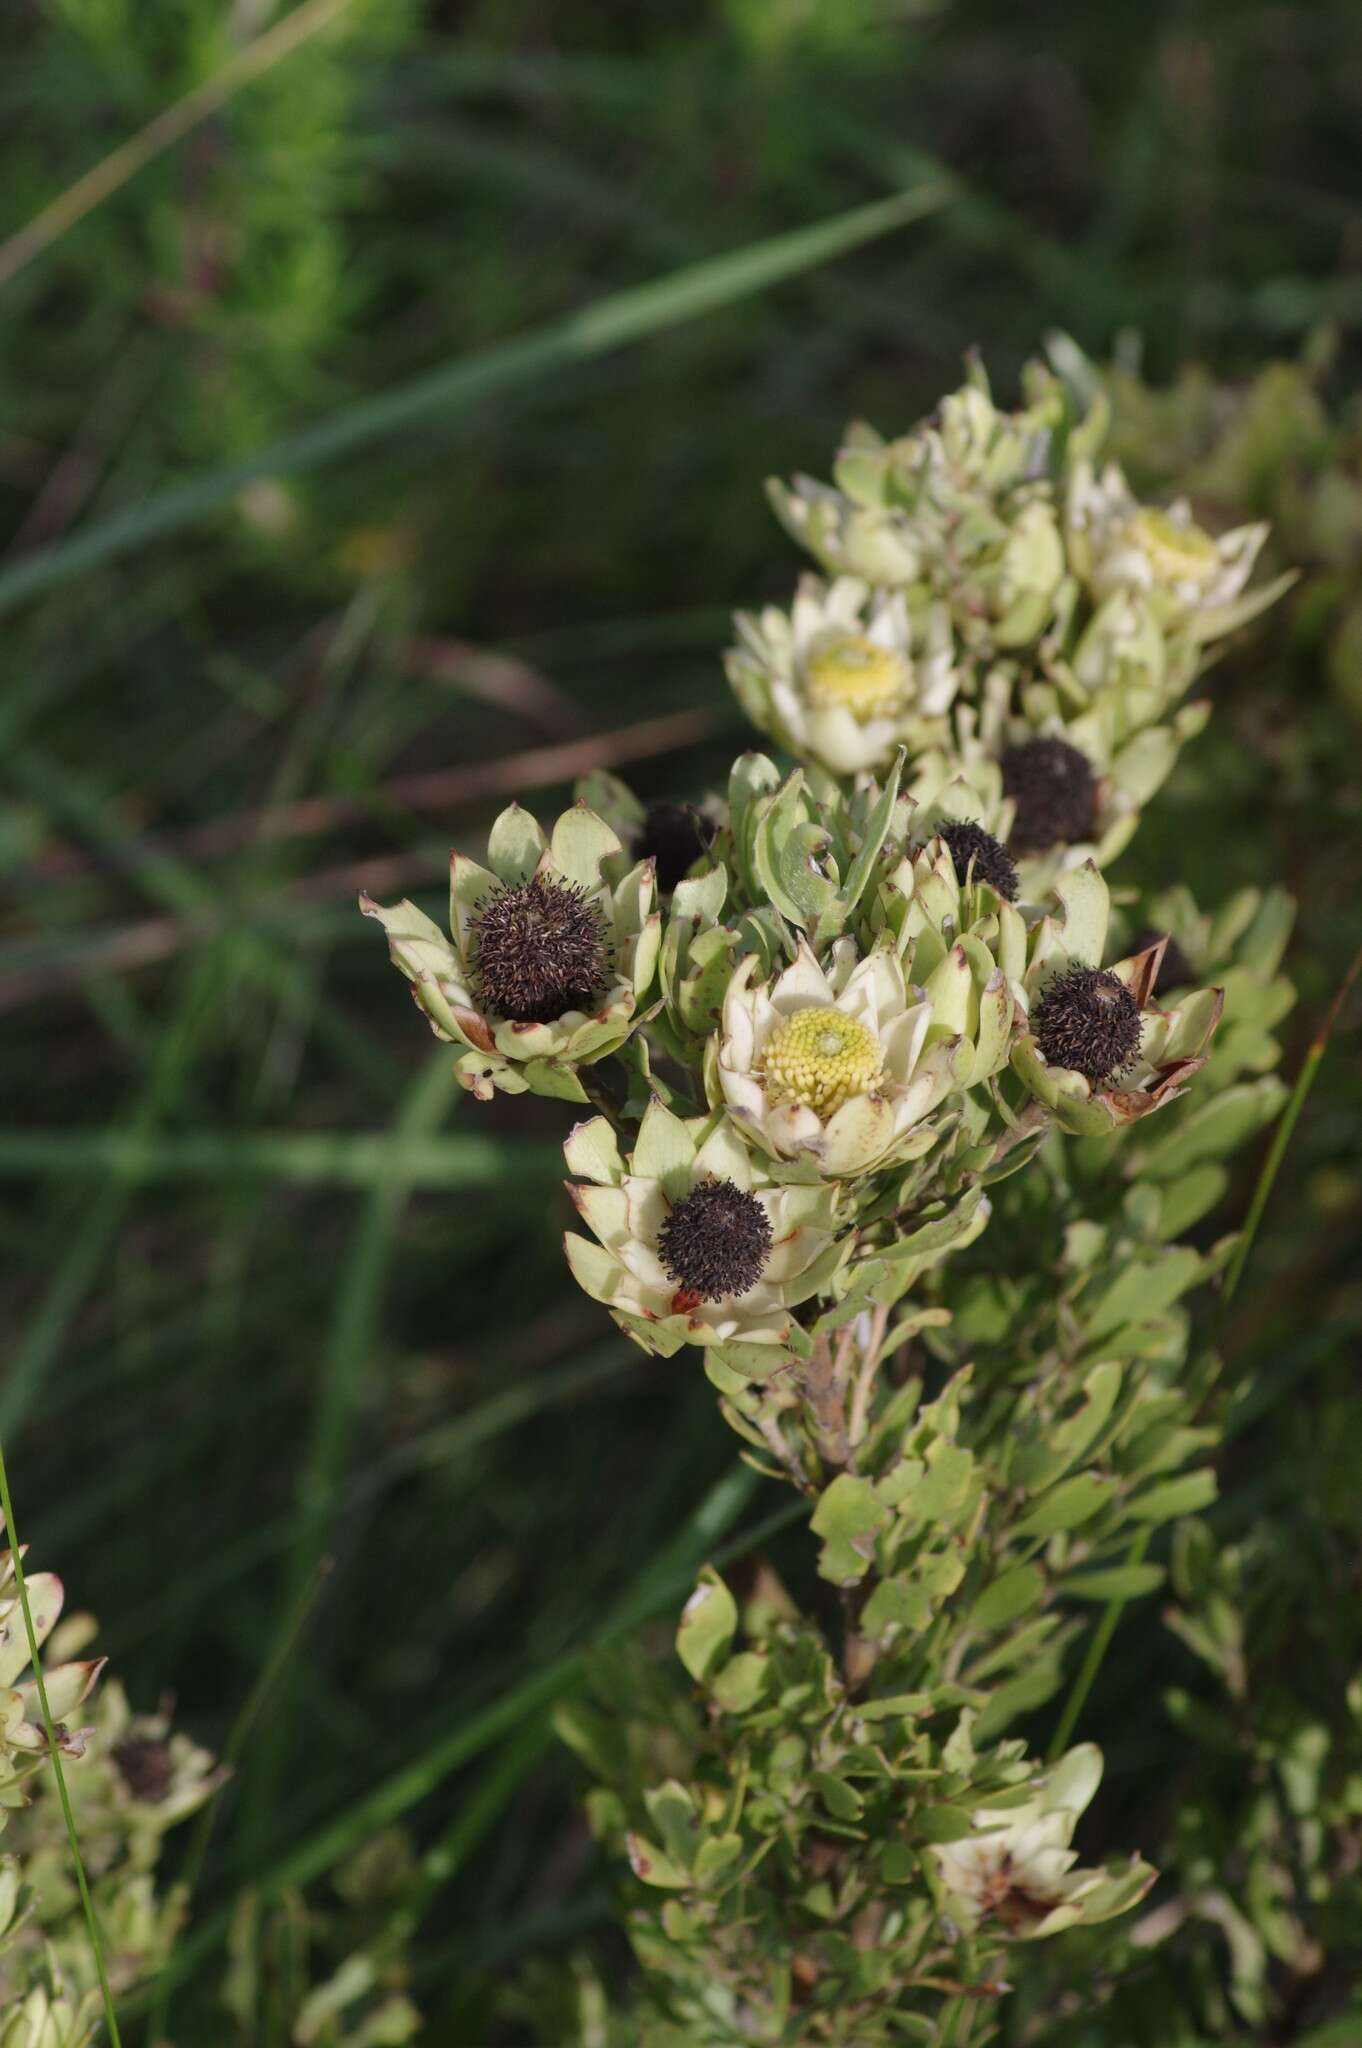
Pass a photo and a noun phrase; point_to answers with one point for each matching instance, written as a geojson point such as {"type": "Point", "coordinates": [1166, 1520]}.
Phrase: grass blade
{"type": "Point", "coordinates": [397, 1794]}
{"type": "Point", "coordinates": [350, 1349]}
{"type": "Point", "coordinates": [610, 323]}
{"type": "Point", "coordinates": [1281, 1137]}
{"type": "Point", "coordinates": [341, 1159]}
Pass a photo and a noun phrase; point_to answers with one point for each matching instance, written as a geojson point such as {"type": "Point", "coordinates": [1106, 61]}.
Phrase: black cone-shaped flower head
{"type": "Point", "coordinates": [1055, 792]}
{"type": "Point", "coordinates": [672, 836]}
{"type": "Point", "coordinates": [716, 1241]}
{"type": "Point", "coordinates": [1088, 1020]}
{"type": "Point", "coordinates": [968, 841]}
{"type": "Point", "coordinates": [540, 949]}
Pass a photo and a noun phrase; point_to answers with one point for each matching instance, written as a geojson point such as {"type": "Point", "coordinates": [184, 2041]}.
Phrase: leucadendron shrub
{"type": "Point", "coordinates": [895, 1117]}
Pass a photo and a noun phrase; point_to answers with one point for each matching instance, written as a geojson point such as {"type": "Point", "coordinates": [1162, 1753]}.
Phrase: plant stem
{"type": "Point", "coordinates": [823, 1382]}
{"type": "Point", "coordinates": [1033, 1118]}
{"type": "Point", "coordinates": [87, 1903]}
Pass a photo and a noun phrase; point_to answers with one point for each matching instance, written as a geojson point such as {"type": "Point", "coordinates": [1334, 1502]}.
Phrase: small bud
{"type": "Point", "coordinates": [540, 950]}
{"type": "Point", "coordinates": [716, 1241]}
{"type": "Point", "coordinates": [1055, 791]}
{"type": "Point", "coordinates": [993, 863]}
{"type": "Point", "coordinates": [1088, 1021]}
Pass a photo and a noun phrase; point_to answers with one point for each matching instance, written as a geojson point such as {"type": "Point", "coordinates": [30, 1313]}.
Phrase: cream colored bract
{"type": "Point", "coordinates": [845, 1092]}
{"type": "Point", "coordinates": [1192, 580]}
{"type": "Point", "coordinates": [1016, 1871]}
{"type": "Point", "coordinates": [847, 675]}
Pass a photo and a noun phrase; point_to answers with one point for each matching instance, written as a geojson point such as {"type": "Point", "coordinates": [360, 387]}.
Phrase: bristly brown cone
{"type": "Point", "coordinates": [1055, 792]}
{"type": "Point", "coordinates": [540, 949]}
{"type": "Point", "coordinates": [992, 862]}
{"type": "Point", "coordinates": [716, 1241]}
{"type": "Point", "coordinates": [1089, 1021]}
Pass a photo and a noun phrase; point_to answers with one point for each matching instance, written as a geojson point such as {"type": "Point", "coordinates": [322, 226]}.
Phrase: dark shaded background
{"type": "Point", "coordinates": [270, 1292]}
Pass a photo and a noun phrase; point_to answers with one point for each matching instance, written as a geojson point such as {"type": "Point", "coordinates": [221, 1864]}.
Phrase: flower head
{"type": "Point", "coordinates": [1015, 1871]}
{"type": "Point", "coordinates": [1193, 581]}
{"type": "Point", "coordinates": [696, 1243]}
{"type": "Point", "coordinates": [68, 1685]}
{"type": "Point", "coordinates": [540, 949]}
{"type": "Point", "coordinates": [835, 1067]}
{"type": "Point", "coordinates": [975, 852]}
{"type": "Point", "coordinates": [1098, 1050]}
{"type": "Point", "coordinates": [1087, 1019]}
{"type": "Point", "coordinates": [846, 676]}
{"type": "Point", "coordinates": [716, 1240]}
{"type": "Point", "coordinates": [551, 953]}
{"type": "Point", "coordinates": [673, 837]}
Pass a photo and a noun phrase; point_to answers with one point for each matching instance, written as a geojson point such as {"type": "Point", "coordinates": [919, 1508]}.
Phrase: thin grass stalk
{"type": "Point", "coordinates": [87, 1903]}
{"type": "Point", "coordinates": [1281, 1137]}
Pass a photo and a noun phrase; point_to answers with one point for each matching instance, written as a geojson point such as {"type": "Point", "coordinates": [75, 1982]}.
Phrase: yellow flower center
{"type": "Point", "coordinates": [852, 670]}
{"type": "Point", "coordinates": [1176, 554]}
{"type": "Point", "coordinates": [821, 1057]}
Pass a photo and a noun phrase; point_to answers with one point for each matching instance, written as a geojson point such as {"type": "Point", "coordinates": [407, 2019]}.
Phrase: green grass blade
{"type": "Point", "coordinates": [397, 1794]}
{"type": "Point", "coordinates": [340, 1159]}
{"type": "Point", "coordinates": [610, 323]}
{"type": "Point", "coordinates": [1286, 1124]}
{"type": "Point", "coordinates": [350, 1350]}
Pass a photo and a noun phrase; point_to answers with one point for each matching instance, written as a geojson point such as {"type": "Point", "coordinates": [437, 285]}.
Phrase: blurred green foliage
{"type": "Point", "coordinates": [270, 1297]}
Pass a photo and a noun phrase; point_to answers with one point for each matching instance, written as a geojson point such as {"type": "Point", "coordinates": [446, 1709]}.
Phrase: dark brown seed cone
{"type": "Point", "coordinates": [992, 861]}
{"type": "Point", "coordinates": [1089, 1021]}
{"type": "Point", "coordinates": [539, 950]}
{"type": "Point", "coordinates": [716, 1241]}
{"type": "Point", "coordinates": [1055, 792]}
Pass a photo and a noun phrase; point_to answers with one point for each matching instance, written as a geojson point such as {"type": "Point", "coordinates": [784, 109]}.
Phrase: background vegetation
{"type": "Point", "coordinates": [298, 1394]}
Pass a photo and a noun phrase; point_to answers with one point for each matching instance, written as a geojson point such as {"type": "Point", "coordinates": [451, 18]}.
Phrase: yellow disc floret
{"type": "Point", "coordinates": [856, 672]}
{"type": "Point", "coordinates": [1176, 554]}
{"type": "Point", "coordinates": [821, 1057]}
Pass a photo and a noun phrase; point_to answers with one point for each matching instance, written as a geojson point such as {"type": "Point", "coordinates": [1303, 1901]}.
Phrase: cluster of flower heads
{"type": "Point", "coordinates": [816, 1016]}
{"type": "Point", "coordinates": [130, 1777]}
{"type": "Point", "coordinates": [892, 953]}
{"type": "Point", "coordinates": [848, 973]}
